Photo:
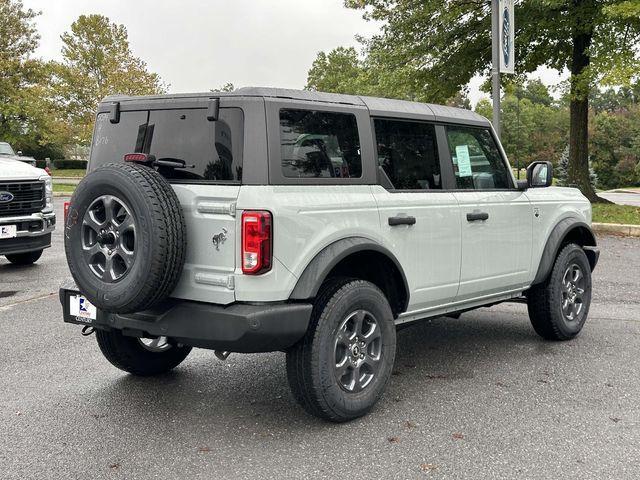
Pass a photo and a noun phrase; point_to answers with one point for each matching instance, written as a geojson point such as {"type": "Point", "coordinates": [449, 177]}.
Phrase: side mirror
{"type": "Point", "coordinates": [19, 153]}
{"type": "Point", "coordinates": [539, 174]}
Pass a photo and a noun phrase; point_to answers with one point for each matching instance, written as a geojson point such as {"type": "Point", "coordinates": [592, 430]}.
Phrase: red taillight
{"type": "Point", "coordinates": [256, 242]}
{"type": "Point", "coordinates": [137, 157]}
{"type": "Point", "coordinates": [66, 210]}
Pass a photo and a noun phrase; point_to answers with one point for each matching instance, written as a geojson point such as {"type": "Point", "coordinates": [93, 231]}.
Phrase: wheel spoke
{"type": "Point", "coordinates": [108, 208]}
{"type": "Point", "coordinates": [127, 257]}
{"type": "Point", "coordinates": [126, 224]}
{"type": "Point", "coordinates": [372, 335]}
{"type": "Point", "coordinates": [577, 275]}
{"type": "Point", "coordinates": [372, 362]}
{"type": "Point", "coordinates": [356, 377]}
{"type": "Point", "coordinates": [92, 250]}
{"type": "Point", "coordinates": [358, 320]}
{"type": "Point", "coordinates": [91, 222]}
{"type": "Point", "coordinates": [344, 338]}
{"type": "Point", "coordinates": [342, 366]}
{"type": "Point", "coordinates": [108, 268]}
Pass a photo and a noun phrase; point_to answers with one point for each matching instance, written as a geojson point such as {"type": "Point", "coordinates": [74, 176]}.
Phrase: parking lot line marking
{"type": "Point", "coordinates": [5, 308]}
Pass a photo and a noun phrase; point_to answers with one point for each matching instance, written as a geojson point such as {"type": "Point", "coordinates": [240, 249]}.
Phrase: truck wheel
{"type": "Point", "coordinates": [140, 356]}
{"type": "Point", "coordinates": [25, 258]}
{"type": "Point", "coordinates": [559, 306]}
{"type": "Point", "coordinates": [340, 369]}
{"type": "Point", "coordinates": [125, 238]}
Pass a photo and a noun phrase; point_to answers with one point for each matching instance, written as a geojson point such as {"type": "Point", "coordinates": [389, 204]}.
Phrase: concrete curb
{"type": "Point", "coordinates": [616, 229]}
{"type": "Point", "coordinates": [622, 190]}
{"type": "Point", "coordinates": [62, 194]}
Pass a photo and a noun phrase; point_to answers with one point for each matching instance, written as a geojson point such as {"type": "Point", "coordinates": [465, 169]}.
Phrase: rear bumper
{"type": "Point", "coordinates": [239, 327]}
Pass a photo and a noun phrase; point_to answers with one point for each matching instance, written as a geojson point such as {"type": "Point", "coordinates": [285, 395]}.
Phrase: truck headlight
{"type": "Point", "coordinates": [48, 193]}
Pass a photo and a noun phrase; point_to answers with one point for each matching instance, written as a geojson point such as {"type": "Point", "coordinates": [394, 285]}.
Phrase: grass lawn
{"type": "Point", "coordinates": [62, 188]}
{"type": "Point", "coordinates": [67, 172]}
{"type": "Point", "coordinates": [609, 213]}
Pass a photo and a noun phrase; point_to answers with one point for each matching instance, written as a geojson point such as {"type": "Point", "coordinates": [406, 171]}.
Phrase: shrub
{"type": "Point", "coordinates": [70, 164]}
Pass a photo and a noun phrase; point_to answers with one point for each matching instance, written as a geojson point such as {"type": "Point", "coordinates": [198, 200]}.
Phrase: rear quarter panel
{"type": "Point", "coordinates": [306, 218]}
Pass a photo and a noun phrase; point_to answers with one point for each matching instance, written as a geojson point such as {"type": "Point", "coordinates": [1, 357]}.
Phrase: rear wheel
{"type": "Point", "coordinates": [140, 356]}
{"type": "Point", "coordinates": [558, 307]}
{"type": "Point", "coordinates": [340, 369]}
{"type": "Point", "coordinates": [25, 258]}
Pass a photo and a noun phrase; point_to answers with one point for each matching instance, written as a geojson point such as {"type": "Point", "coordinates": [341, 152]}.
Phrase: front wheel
{"type": "Point", "coordinates": [558, 307]}
{"type": "Point", "coordinates": [340, 369]}
{"type": "Point", "coordinates": [24, 258]}
{"type": "Point", "coordinates": [140, 356]}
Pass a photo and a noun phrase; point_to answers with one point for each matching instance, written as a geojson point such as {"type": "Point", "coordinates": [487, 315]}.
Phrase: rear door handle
{"type": "Point", "coordinates": [393, 221]}
{"type": "Point", "coordinates": [475, 216]}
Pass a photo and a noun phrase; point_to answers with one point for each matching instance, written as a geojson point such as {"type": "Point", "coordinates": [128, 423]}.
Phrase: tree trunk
{"type": "Point", "coordinates": [578, 171]}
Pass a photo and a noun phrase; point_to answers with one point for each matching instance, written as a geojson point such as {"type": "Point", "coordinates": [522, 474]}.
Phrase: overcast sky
{"type": "Point", "coordinates": [196, 45]}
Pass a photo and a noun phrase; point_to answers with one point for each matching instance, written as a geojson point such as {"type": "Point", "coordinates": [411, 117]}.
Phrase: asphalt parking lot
{"type": "Point", "coordinates": [477, 397]}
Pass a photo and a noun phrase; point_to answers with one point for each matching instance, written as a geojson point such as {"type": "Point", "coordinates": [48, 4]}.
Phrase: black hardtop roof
{"type": "Point", "coordinates": [377, 106]}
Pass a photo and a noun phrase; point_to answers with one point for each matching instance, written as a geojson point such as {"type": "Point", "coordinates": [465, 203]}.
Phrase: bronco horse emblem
{"type": "Point", "coordinates": [219, 238]}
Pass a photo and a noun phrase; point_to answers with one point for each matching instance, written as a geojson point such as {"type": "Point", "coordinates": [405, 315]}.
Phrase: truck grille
{"type": "Point", "coordinates": [28, 197]}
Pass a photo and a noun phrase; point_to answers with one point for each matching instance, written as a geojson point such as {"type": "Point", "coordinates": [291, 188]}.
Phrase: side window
{"type": "Point", "coordinates": [318, 144]}
{"type": "Point", "coordinates": [477, 163]}
{"type": "Point", "coordinates": [408, 154]}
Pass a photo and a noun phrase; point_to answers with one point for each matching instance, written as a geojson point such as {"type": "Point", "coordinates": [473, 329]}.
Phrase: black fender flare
{"type": "Point", "coordinates": [560, 232]}
{"type": "Point", "coordinates": [317, 270]}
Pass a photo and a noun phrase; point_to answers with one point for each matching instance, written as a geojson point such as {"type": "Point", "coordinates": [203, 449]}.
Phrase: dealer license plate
{"type": "Point", "coordinates": [81, 308]}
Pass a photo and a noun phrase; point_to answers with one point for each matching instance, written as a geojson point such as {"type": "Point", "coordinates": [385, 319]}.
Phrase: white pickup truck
{"type": "Point", "coordinates": [26, 211]}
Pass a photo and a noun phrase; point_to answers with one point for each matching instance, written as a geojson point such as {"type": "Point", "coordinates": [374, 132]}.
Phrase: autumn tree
{"type": "Point", "coordinates": [97, 61]}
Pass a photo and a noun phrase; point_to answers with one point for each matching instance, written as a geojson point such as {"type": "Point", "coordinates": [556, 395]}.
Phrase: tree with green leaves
{"type": "Point", "coordinates": [534, 124]}
{"type": "Point", "coordinates": [28, 118]}
{"type": "Point", "coordinates": [97, 61]}
{"type": "Point", "coordinates": [429, 50]}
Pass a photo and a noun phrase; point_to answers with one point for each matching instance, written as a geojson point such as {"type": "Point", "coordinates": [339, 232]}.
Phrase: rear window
{"type": "Point", "coordinates": [318, 144]}
{"type": "Point", "coordinates": [209, 151]}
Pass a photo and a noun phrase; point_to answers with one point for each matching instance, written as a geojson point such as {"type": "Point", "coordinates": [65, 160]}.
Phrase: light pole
{"type": "Point", "coordinates": [495, 59]}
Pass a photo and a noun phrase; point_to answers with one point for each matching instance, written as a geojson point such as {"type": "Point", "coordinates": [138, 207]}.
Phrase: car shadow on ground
{"type": "Point", "coordinates": [433, 354]}
{"type": "Point", "coordinates": [10, 267]}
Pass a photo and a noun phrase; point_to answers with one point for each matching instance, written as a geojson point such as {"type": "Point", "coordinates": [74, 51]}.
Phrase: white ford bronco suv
{"type": "Point", "coordinates": [310, 223]}
{"type": "Point", "coordinates": [26, 209]}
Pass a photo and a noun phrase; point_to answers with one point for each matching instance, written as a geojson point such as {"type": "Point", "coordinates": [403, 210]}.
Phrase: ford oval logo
{"type": "Point", "coordinates": [6, 197]}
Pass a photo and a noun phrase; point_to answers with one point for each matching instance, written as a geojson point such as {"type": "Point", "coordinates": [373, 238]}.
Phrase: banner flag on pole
{"type": "Point", "coordinates": [507, 36]}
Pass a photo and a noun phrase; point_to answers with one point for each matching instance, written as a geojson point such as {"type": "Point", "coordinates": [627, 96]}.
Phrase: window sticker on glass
{"type": "Point", "coordinates": [464, 162]}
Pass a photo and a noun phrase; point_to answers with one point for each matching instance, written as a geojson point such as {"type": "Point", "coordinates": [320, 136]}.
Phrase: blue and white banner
{"type": "Point", "coordinates": [507, 36]}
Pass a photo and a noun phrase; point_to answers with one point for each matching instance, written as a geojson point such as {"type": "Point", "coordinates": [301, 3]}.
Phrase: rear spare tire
{"type": "Point", "coordinates": [125, 238]}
